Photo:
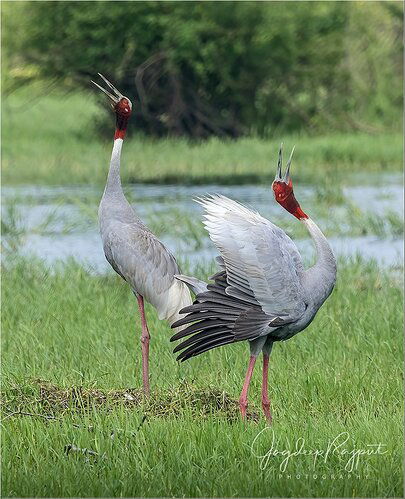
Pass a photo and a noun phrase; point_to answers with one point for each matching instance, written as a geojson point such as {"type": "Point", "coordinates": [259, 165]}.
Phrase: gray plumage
{"type": "Point", "coordinates": [193, 283]}
{"type": "Point", "coordinates": [135, 253]}
{"type": "Point", "coordinates": [262, 293]}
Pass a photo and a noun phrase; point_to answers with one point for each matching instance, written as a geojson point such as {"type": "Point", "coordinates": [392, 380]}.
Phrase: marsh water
{"type": "Point", "coordinates": [56, 223]}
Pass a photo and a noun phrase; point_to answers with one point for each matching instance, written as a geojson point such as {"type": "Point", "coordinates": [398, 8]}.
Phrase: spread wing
{"type": "Point", "coordinates": [259, 258]}
{"type": "Point", "coordinates": [258, 289]}
{"type": "Point", "coordinates": [218, 319]}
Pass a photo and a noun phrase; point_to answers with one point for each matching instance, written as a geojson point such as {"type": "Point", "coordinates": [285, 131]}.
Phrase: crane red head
{"type": "Point", "coordinates": [121, 105]}
{"type": "Point", "coordinates": [283, 188]}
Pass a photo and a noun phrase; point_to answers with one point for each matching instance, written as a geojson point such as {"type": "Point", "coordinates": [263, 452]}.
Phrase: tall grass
{"type": "Point", "coordinates": [65, 328]}
{"type": "Point", "coordinates": [49, 138]}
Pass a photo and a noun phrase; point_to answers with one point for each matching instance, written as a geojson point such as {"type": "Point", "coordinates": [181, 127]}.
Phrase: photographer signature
{"type": "Point", "coordinates": [339, 445]}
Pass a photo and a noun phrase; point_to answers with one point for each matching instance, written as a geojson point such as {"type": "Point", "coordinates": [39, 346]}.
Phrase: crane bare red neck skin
{"type": "Point", "coordinates": [123, 113]}
{"type": "Point", "coordinates": [284, 194]}
{"type": "Point", "coordinates": [283, 188]}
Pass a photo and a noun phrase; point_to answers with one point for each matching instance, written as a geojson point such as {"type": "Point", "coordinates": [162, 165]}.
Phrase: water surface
{"type": "Point", "coordinates": [58, 222]}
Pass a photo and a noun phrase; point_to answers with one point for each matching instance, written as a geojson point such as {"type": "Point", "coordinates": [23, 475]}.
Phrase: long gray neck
{"type": "Point", "coordinates": [113, 186]}
{"type": "Point", "coordinates": [114, 204]}
{"type": "Point", "coordinates": [320, 279]}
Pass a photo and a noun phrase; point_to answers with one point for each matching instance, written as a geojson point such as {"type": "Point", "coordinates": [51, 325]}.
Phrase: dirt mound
{"type": "Point", "coordinates": [53, 402]}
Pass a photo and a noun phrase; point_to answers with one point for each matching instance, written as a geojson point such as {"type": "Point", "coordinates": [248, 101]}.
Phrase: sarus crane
{"type": "Point", "coordinates": [261, 293]}
{"type": "Point", "coordinates": [130, 247]}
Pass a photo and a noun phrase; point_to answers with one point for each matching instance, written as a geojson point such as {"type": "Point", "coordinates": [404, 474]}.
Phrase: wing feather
{"type": "Point", "coordinates": [258, 256]}
{"type": "Point", "coordinates": [149, 267]}
{"type": "Point", "coordinates": [217, 319]}
{"type": "Point", "coordinates": [258, 288]}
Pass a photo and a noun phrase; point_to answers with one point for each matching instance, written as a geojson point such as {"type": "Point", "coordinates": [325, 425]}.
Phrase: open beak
{"type": "Point", "coordinates": [279, 163]}
{"type": "Point", "coordinates": [287, 170]}
{"type": "Point", "coordinates": [279, 176]}
{"type": "Point", "coordinates": [115, 98]}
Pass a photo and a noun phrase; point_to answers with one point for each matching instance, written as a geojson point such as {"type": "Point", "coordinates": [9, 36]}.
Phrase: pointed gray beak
{"type": "Point", "coordinates": [279, 163]}
{"type": "Point", "coordinates": [287, 171]}
{"type": "Point", "coordinates": [115, 98]}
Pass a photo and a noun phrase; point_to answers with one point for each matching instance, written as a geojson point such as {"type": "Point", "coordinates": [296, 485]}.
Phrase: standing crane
{"type": "Point", "coordinates": [130, 247]}
{"type": "Point", "coordinates": [262, 293]}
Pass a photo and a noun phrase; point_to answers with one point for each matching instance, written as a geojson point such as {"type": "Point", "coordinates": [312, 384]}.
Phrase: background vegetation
{"type": "Point", "coordinates": [326, 76]}
{"type": "Point", "coordinates": [50, 139]}
{"type": "Point", "coordinates": [221, 68]}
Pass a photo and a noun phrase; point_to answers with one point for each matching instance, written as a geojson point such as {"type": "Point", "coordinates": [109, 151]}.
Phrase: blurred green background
{"type": "Point", "coordinates": [198, 69]}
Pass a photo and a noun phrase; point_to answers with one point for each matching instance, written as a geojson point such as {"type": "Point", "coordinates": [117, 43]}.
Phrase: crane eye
{"type": "Point", "coordinates": [279, 194]}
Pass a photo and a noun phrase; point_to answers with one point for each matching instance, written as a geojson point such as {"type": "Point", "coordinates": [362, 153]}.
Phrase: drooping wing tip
{"type": "Point", "coordinates": [173, 326]}
{"type": "Point", "coordinates": [177, 348]}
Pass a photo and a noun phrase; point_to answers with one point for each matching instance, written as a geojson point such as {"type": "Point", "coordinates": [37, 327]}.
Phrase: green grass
{"type": "Point", "coordinates": [71, 352]}
{"type": "Point", "coordinates": [49, 138]}
{"type": "Point", "coordinates": [74, 422]}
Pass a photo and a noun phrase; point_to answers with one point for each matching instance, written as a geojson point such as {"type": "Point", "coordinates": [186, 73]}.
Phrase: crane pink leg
{"type": "Point", "coordinates": [145, 337]}
{"type": "Point", "coordinates": [265, 394]}
{"type": "Point", "coordinates": [243, 396]}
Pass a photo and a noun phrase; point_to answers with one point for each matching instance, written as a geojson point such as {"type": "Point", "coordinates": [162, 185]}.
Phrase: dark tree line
{"type": "Point", "coordinates": [222, 68]}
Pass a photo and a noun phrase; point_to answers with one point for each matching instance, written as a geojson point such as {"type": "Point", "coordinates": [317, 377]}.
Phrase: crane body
{"type": "Point", "coordinates": [131, 249]}
{"type": "Point", "coordinates": [261, 293]}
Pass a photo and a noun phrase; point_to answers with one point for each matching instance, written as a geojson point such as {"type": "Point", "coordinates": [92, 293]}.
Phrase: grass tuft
{"type": "Point", "coordinates": [51, 402]}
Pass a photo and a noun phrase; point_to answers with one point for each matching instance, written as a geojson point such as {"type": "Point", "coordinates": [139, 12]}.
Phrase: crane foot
{"type": "Point", "coordinates": [243, 407]}
{"type": "Point", "coordinates": [266, 409]}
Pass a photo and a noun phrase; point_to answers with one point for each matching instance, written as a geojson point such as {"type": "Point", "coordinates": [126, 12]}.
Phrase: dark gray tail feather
{"type": "Point", "coordinates": [193, 283]}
